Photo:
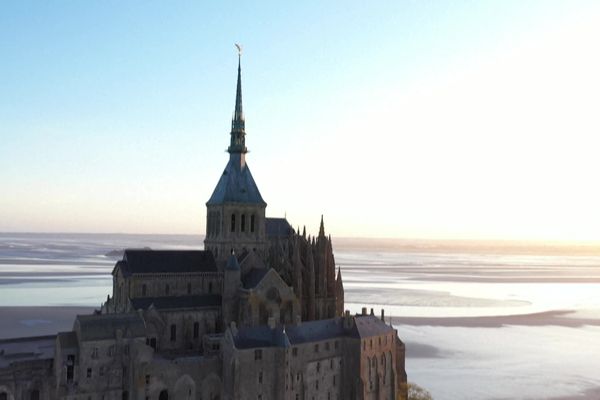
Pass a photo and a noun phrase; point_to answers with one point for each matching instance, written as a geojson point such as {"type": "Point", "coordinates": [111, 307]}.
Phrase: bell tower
{"type": "Point", "coordinates": [235, 219]}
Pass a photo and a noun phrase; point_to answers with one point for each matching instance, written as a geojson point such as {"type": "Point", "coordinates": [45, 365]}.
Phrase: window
{"type": "Point", "coordinates": [125, 395]}
{"type": "Point", "coordinates": [189, 288]}
{"type": "Point", "coordinates": [232, 222]}
{"type": "Point", "coordinates": [243, 223]}
{"type": "Point", "coordinates": [101, 371]}
{"type": "Point", "coordinates": [318, 367]}
{"type": "Point", "coordinates": [89, 373]}
{"type": "Point", "coordinates": [316, 348]}
{"type": "Point", "coordinates": [252, 223]}
{"type": "Point", "coordinates": [260, 377]}
{"type": "Point", "coordinates": [3, 396]}
{"type": "Point", "coordinates": [35, 395]}
{"type": "Point", "coordinates": [331, 363]}
{"type": "Point", "coordinates": [326, 345]}
{"type": "Point", "coordinates": [147, 379]}
{"type": "Point", "coordinates": [167, 289]}
{"type": "Point", "coordinates": [334, 380]}
{"type": "Point", "coordinates": [173, 333]}
{"type": "Point", "coordinates": [153, 343]}
{"type": "Point", "coordinates": [143, 290]}
{"type": "Point", "coordinates": [209, 287]}
{"type": "Point", "coordinates": [370, 343]}
{"type": "Point", "coordinates": [317, 384]}
{"type": "Point", "coordinates": [336, 344]}
{"type": "Point", "coordinates": [126, 349]}
{"type": "Point", "coordinates": [295, 351]}
{"type": "Point", "coordinates": [257, 354]}
{"type": "Point", "coordinates": [196, 330]}
{"type": "Point", "coordinates": [95, 352]}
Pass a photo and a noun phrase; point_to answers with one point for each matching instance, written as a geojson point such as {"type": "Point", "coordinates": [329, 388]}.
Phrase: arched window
{"type": "Point", "coordinates": [232, 222]}
{"type": "Point", "coordinates": [252, 223]}
{"type": "Point", "coordinates": [243, 223]}
{"type": "Point", "coordinates": [173, 333]}
{"type": "Point", "coordinates": [143, 290]}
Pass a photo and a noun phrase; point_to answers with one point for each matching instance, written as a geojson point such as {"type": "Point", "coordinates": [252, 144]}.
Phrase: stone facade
{"type": "Point", "coordinates": [257, 315]}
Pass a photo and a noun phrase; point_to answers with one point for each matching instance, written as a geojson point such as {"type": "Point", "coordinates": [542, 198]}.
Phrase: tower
{"type": "Point", "coordinates": [236, 211]}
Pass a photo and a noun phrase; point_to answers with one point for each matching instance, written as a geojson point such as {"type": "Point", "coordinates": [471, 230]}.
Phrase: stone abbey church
{"type": "Point", "coordinates": [259, 314]}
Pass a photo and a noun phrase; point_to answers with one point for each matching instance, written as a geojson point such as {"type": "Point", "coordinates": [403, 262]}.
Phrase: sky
{"type": "Point", "coordinates": [407, 119]}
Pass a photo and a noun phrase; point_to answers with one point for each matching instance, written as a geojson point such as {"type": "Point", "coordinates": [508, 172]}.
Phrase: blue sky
{"type": "Point", "coordinates": [395, 119]}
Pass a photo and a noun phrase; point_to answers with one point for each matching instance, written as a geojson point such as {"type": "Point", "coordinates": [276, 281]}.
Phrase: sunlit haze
{"type": "Point", "coordinates": [406, 119]}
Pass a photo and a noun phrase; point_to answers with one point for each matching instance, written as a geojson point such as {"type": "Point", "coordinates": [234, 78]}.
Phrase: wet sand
{"type": "Point", "coordinates": [567, 318]}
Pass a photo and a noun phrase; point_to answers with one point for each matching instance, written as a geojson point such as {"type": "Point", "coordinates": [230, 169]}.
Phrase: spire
{"type": "Point", "coordinates": [238, 123]}
{"type": "Point", "coordinates": [322, 228]}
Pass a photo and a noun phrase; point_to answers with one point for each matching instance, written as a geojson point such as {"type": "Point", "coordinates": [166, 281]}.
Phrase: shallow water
{"type": "Point", "coordinates": [515, 360]}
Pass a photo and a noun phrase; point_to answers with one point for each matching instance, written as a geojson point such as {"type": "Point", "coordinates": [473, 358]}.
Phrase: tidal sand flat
{"type": "Point", "coordinates": [480, 320]}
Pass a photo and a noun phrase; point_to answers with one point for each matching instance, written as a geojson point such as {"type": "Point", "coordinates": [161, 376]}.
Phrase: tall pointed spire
{"type": "Point", "coordinates": [238, 123]}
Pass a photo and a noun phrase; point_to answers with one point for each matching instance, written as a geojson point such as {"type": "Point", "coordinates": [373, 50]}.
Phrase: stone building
{"type": "Point", "coordinates": [259, 314]}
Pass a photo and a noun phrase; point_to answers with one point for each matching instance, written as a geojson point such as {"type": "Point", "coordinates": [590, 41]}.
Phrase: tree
{"type": "Point", "coordinates": [415, 392]}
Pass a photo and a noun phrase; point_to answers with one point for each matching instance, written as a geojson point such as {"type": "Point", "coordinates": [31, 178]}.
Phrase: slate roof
{"type": "Point", "coordinates": [261, 336]}
{"type": "Point", "coordinates": [105, 326]}
{"type": "Point", "coordinates": [278, 227]}
{"type": "Point", "coordinates": [67, 340]}
{"type": "Point", "coordinates": [26, 349]}
{"type": "Point", "coordinates": [164, 303]}
{"type": "Point", "coordinates": [143, 261]}
{"type": "Point", "coordinates": [369, 325]}
{"type": "Point", "coordinates": [253, 278]}
{"type": "Point", "coordinates": [236, 184]}
{"type": "Point", "coordinates": [315, 331]}
{"type": "Point", "coordinates": [310, 331]}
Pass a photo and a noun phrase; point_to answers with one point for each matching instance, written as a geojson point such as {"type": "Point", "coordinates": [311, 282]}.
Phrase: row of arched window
{"type": "Point", "coordinates": [245, 225]}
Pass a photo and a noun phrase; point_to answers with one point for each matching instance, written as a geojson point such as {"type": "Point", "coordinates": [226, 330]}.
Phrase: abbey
{"type": "Point", "coordinates": [259, 314]}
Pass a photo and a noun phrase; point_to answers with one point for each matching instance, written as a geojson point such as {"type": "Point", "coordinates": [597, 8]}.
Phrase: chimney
{"type": "Point", "coordinates": [364, 311]}
{"type": "Point", "coordinates": [382, 315]}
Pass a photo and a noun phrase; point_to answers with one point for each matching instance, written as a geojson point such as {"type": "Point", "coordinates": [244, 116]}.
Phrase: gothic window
{"type": "Point", "coordinates": [243, 223]}
{"type": "Point", "coordinates": [189, 288]}
{"type": "Point", "coordinates": [173, 333]}
{"type": "Point", "coordinates": [232, 222]}
{"type": "Point", "coordinates": [143, 290]}
{"type": "Point", "coordinates": [252, 223]}
{"type": "Point", "coordinates": [196, 330]}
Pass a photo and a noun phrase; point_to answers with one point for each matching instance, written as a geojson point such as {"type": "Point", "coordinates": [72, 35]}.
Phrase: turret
{"type": "Point", "coordinates": [231, 285]}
